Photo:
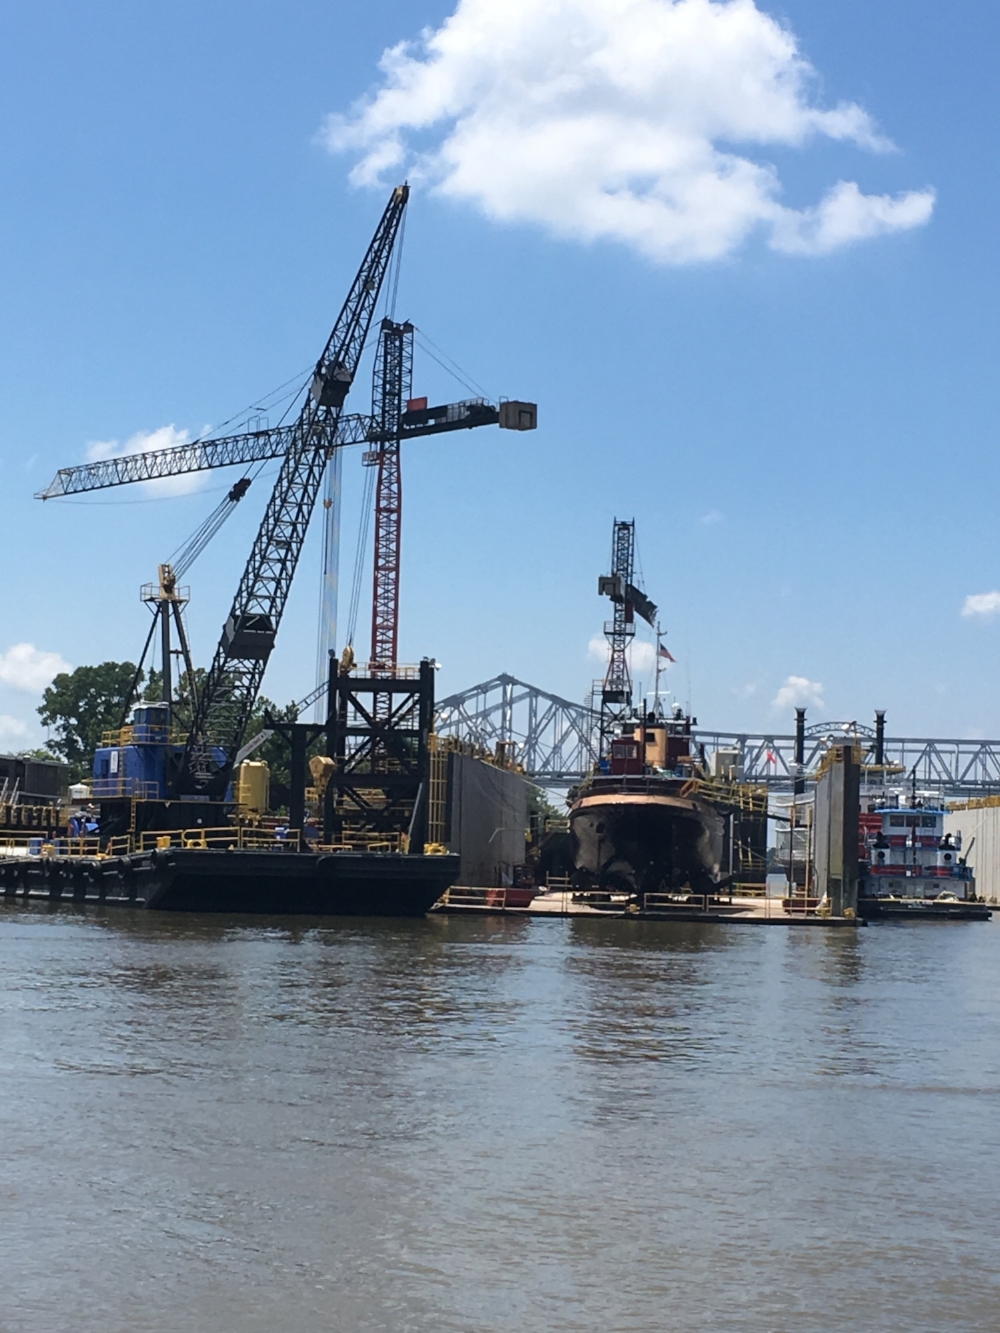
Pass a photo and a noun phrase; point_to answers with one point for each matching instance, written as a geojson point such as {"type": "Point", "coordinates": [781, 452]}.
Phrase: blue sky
{"type": "Point", "coordinates": [806, 440]}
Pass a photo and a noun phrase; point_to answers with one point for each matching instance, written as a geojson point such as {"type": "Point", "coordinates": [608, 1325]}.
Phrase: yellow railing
{"type": "Point", "coordinates": [980, 803]}
{"type": "Point", "coordinates": [493, 899]}
{"type": "Point", "coordinates": [142, 733]}
{"type": "Point", "coordinates": [28, 844]}
{"type": "Point", "coordinates": [391, 671]}
{"type": "Point", "coordinates": [366, 842]}
{"type": "Point", "coordinates": [737, 795]}
{"type": "Point", "coordinates": [121, 786]}
{"type": "Point", "coordinates": [232, 838]}
{"type": "Point", "coordinates": [437, 806]}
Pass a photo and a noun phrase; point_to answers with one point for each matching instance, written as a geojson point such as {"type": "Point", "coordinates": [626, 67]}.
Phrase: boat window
{"type": "Point", "coordinates": [912, 821]}
{"type": "Point", "coordinates": [897, 821]}
{"type": "Point", "coordinates": [929, 821]}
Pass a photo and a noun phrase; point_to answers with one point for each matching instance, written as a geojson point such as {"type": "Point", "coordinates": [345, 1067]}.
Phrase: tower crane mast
{"type": "Point", "coordinates": [627, 600]}
{"type": "Point", "coordinates": [392, 386]}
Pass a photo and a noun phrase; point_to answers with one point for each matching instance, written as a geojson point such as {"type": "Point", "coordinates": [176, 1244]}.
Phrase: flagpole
{"type": "Point", "coordinates": [656, 697]}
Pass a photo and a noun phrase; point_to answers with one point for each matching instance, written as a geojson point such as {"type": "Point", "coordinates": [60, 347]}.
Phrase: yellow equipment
{"type": "Point", "coordinates": [253, 787]}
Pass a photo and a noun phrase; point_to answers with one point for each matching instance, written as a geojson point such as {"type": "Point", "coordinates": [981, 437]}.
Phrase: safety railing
{"type": "Point", "coordinates": [32, 844]}
{"type": "Point", "coordinates": [741, 889]}
{"type": "Point", "coordinates": [234, 838]}
{"type": "Point", "coordinates": [118, 785]}
{"type": "Point", "coordinates": [392, 670]}
{"type": "Point", "coordinates": [702, 902]}
{"type": "Point", "coordinates": [231, 838]}
{"type": "Point", "coordinates": [800, 906]}
{"type": "Point", "coordinates": [502, 899]}
{"type": "Point", "coordinates": [366, 842]}
{"type": "Point", "coordinates": [139, 733]}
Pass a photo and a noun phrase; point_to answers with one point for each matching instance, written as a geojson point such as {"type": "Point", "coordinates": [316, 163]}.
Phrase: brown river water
{"type": "Point", "coordinates": [496, 1126]}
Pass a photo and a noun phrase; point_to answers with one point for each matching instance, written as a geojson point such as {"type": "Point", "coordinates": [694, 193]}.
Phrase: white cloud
{"type": "Point", "coordinates": [12, 728]}
{"type": "Point", "coordinates": [711, 518]}
{"type": "Point", "coordinates": [800, 692]}
{"type": "Point", "coordinates": [641, 655]}
{"type": "Point", "coordinates": [629, 120]}
{"type": "Point", "coordinates": [28, 668]}
{"type": "Point", "coordinates": [142, 442]}
{"type": "Point", "coordinates": [984, 604]}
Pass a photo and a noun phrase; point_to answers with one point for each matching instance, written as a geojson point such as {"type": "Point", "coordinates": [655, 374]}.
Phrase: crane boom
{"type": "Point", "coordinates": [253, 446]}
{"type": "Point", "coordinates": [248, 635]}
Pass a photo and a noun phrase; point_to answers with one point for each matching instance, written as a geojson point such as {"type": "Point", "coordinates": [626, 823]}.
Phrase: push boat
{"type": "Point", "coordinates": [912, 869]}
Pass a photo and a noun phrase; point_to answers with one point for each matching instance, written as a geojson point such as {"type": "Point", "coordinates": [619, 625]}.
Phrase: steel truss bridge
{"type": "Point", "coordinates": [555, 740]}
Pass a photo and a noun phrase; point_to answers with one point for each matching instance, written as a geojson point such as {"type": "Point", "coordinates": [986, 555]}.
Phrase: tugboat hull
{"type": "Point", "coordinates": [647, 842]}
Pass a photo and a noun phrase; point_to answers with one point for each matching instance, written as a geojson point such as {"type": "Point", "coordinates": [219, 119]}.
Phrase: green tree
{"type": "Point", "coordinates": [541, 807]}
{"type": "Point", "coordinates": [183, 711]}
{"type": "Point", "coordinates": [275, 752]}
{"type": "Point", "coordinates": [79, 705]}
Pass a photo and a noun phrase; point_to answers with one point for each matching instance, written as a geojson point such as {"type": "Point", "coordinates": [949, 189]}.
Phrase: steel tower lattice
{"type": "Point", "coordinates": [616, 693]}
{"type": "Point", "coordinates": [391, 389]}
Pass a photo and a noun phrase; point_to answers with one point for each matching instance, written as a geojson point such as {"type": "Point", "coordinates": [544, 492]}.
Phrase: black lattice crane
{"type": "Point", "coordinates": [248, 636]}
{"type": "Point", "coordinates": [233, 681]}
{"type": "Point", "coordinates": [626, 599]}
{"type": "Point", "coordinates": [229, 692]}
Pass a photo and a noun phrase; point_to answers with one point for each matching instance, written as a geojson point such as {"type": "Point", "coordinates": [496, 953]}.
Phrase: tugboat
{"type": "Point", "coordinates": [638, 825]}
{"type": "Point", "coordinates": [913, 868]}
{"type": "Point", "coordinates": [646, 822]}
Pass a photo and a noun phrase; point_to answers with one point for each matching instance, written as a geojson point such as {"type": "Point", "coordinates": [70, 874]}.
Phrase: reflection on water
{"type": "Point", "coordinates": [492, 1124]}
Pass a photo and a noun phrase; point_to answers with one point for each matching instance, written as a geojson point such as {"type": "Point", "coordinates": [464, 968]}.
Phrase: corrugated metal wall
{"type": "Point", "coordinates": [37, 780]}
{"type": "Point", "coordinates": [984, 826]}
{"type": "Point", "coordinates": [487, 820]}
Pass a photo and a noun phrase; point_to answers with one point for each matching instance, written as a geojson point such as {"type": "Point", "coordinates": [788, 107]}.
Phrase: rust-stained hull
{"type": "Point", "coordinates": [646, 837]}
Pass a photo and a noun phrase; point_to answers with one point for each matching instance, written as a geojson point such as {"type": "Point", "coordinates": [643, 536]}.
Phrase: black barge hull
{"type": "Point", "coordinates": [921, 909]}
{"type": "Point", "coordinates": [258, 882]}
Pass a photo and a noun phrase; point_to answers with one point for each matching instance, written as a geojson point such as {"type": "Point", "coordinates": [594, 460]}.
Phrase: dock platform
{"type": "Point", "coordinates": [756, 911]}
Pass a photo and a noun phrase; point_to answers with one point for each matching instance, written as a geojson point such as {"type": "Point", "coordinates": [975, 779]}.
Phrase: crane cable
{"type": "Point", "coordinates": [364, 523]}
{"type": "Point", "coordinates": [451, 367]}
{"type": "Point", "coordinates": [185, 555]}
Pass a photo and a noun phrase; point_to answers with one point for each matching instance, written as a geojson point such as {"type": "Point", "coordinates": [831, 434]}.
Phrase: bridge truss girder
{"type": "Point", "coordinates": [557, 743]}
{"type": "Point", "coordinates": [555, 739]}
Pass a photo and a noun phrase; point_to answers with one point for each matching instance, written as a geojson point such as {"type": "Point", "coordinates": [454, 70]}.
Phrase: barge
{"type": "Point", "coordinates": [231, 880]}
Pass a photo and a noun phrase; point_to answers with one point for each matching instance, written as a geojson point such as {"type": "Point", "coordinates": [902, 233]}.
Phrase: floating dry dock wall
{"type": "Point", "coordinates": [838, 810]}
